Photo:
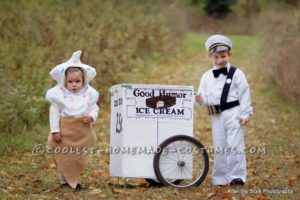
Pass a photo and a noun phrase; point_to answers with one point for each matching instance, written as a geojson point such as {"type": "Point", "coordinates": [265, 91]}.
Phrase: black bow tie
{"type": "Point", "coordinates": [217, 72]}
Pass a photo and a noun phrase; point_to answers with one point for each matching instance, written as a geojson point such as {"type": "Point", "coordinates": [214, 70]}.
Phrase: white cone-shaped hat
{"type": "Point", "coordinates": [58, 72]}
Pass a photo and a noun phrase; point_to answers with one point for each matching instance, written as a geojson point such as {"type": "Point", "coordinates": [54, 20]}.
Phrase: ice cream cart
{"type": "Point", "coordinates": [151, 135]}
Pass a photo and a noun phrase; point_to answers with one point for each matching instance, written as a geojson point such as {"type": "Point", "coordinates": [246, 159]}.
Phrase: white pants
{"type": "Point", "coordinates": [228, 140]}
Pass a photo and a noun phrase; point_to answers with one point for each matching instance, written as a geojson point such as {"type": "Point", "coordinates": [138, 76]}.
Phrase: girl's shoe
{"type": "Point", "coordinates": [65, 185]}
{"type": "Point", "coordinates": [80, 187]}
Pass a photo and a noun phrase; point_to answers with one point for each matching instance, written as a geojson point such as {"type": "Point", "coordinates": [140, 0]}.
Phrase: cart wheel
{"type": "Point", "coordinates": [181, 159]}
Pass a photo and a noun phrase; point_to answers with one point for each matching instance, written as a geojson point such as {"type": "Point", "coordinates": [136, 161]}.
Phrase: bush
{"type": "Point", "coordinates": [117, 37]}
{"type": "Point", "coordinates": [281, 60]}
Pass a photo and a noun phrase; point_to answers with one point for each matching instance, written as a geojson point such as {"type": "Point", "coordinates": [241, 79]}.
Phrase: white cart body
{"type": "Point", "coordinates": [137, 130]}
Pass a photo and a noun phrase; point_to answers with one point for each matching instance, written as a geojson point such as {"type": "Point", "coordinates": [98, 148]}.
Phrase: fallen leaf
{"type": "Point", "coordinates": [92, 187]}
{"type": "Point", "coordinates": [3, 173]}
{"type": "Point", "coordinates": [206, 129]}
{"type": "Point", "coordinates": [290, 183]}
{"type": "Point", "coordinates": [251, 171]}
{"type": "Point", "coordinates": [55, 190]}
{"type": "Point", "coordinates": [261, 197]}
{"type": "Point", "coordinates": [96, 191]}
{"type": "Point", "coordinates": [37, 181]}
{"type": "Point", "coordinates": [113, 190]}
{"type": "Point", "coordinates": [142, 182]}
{"type": "Point", "coordinates": [210, 195]}
{"type": "Point", "coordinates": [227, 196]}
{"type": "Point", "coordinates": [9, 188]}
{"type": "Point", "coordinates": [290, 157]}
{"type": "Point", "coordinates": [52, 166]}
{"type": "Point", "coordinates": [176, 192]}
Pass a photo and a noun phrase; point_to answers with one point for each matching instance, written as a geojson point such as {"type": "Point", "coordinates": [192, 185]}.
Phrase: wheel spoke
{"type": "Point", "coordinates": [168, 168]}
{"type": "Point", "coordinates": [183, 154]}
{"type": "Point", "coordinates": [184, 173]}
{"type": "Point", "coordinates": [171, 172]}
{"type": "Point", "coordinates": [176, 151]}
{"type": "Point", "coordinates": [189, 170]}
{"type": "Point", "coordinates": [170, 158]}
{"type": "Point", "coordinates": [176, 173]}
{"type": "Point", "coordinates": [167, 163]}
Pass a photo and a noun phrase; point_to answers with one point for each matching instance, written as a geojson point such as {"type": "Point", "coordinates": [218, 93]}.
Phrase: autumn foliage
{"type": "Point", "coordinates": [118, 38]}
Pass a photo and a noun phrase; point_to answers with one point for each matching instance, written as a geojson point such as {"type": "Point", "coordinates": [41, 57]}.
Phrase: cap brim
{"type": "Point", "coordinates": [219, 48]}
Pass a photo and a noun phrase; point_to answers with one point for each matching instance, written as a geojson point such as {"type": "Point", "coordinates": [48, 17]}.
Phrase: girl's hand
{"type": "Point", "coordinates": [243, 122]}
{"type": "Point", "coordinates": [87, 119]}
{"type": "Point", "coordinates": [56, 136]}
{"type": "Point", "coordinates": [199, 98]}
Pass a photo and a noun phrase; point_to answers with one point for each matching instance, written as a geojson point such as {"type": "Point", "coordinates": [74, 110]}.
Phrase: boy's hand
{"type": "Point", "coordinates": [199, 98]}
{"type": "Point", "coordinates": [87, 119]}
{"type": "Point", "coordinates": [243, 122]}
{"type": "Point", "coordinates": [56, 136]}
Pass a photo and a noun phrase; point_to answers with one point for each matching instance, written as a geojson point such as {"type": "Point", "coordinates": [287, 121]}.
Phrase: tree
{"type": "Point", "coordinates": [216, 8]}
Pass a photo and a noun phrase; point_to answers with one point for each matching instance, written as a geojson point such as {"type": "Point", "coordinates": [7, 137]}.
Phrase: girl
{"type": "Point", "coordinates": [73, 109]}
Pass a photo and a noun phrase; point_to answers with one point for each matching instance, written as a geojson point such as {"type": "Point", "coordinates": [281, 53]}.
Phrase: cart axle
{"type": "Point", "coordinates": [181, 163]}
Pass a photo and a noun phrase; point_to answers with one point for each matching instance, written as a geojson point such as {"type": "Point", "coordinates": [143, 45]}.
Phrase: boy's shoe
{"type": "Point", "coordinates": [80, 187]}
{"type": "Point", "coordinates": [65, 185]}
{"type": "Point", "coordinates": [237, 181]}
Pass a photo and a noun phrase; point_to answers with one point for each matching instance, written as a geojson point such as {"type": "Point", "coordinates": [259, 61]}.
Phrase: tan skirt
{"type": "Point", "coordinates": [71, 154]}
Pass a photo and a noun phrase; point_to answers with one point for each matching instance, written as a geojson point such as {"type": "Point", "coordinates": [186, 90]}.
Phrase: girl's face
{"type": "Point", "coordinates": [74, 81]}
{"type": "Point", "coordinates": [219, 59]}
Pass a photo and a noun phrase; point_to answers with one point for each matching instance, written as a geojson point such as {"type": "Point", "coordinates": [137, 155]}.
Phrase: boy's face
{"type": "Point", "coordinates": [219, 59]}
{"type": "Point", "coordinates": [74, 81]}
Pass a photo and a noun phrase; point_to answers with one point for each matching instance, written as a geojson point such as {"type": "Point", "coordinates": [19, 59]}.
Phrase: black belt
{"type": "Point", "coordinates": [217, 109]}
{"type": "Point", "coordinates": [229, 105]}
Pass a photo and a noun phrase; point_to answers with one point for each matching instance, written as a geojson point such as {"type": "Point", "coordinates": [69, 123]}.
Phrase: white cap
{"type": "Point", "coordinates": [217, 43]}
{"type": "Point", "coordinates": [58, 72]}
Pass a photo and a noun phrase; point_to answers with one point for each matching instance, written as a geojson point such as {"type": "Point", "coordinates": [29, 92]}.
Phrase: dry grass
{"type": "Point", "coordinates": [274, 126]}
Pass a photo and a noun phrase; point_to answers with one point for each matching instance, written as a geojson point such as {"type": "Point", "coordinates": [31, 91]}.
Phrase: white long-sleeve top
{"type": "Point", "coordinates": [211, 90]}
{"type": "Point", "coordinates": [55, 114]}
{"type": "Point", "coordinates": [65, 103]}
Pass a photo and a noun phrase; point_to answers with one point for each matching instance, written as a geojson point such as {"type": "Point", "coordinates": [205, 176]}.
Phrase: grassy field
{"type": "Point", "coordinates": [274, 127]}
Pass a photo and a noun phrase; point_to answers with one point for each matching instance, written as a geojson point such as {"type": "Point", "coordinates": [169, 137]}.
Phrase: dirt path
{"type": "Point", "coordinates": [274, 130]}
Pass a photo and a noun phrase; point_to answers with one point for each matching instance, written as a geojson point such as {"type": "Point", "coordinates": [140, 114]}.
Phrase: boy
{"type": "Point", "coordinates": [225, 92]}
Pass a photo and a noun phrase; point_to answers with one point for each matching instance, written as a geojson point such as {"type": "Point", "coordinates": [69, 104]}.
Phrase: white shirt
{"type": "Point", "coordinates": [211, 90]}
{"type": "Point", "coordinates": [66, 103]}
{"type": "Point", "coordinates": [55, 113]}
